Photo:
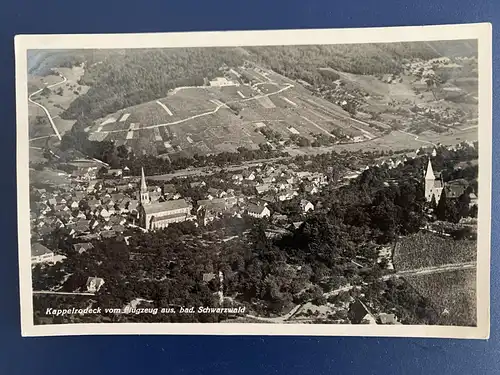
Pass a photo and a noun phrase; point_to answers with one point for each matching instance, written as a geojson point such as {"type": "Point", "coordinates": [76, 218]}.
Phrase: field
{"type": "Point", "coordinates": [253, 106]}
{"type": "Point", "coordinates": [212, 119]}
{"type": "Point", "coordinates": [63, 91]}
{"type": "Point", "coordinates": [428, 250]}
{"type": "Point", "coordinates": [49, 177]}
{"type": "Point", "coordinates": [452, 294]}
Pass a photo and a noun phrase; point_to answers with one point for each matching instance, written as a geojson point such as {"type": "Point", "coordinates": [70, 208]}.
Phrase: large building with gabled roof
{"type": "Point", "coordinates": [158, 215]}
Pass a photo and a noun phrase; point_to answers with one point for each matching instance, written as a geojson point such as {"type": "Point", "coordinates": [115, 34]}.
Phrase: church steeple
{"type": "Point", "coordinates": [144, 193]}
{"type": "Point", "coordinates": [143, 181]}
{"type": "Point", "coordinates": [429, 175]}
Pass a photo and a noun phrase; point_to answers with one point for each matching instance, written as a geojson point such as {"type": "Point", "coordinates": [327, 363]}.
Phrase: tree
{"type": "Point", "coordinates": [441, 208]}
{"type": "Point", "coordinates": [433, 204]}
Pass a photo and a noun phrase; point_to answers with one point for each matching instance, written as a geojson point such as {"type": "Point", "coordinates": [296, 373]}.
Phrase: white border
{"type": "Point", "coordinates": [481, 31]}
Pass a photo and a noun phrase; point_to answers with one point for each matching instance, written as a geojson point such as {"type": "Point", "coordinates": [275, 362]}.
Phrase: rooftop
{"type": "Point", "coordinates": [165, 206]}
{"type": "Point", "coordinates": [38, 249]}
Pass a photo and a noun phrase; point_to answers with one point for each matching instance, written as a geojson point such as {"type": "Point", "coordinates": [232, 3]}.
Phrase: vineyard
{"type": "Point", "coordinates": [452, 294]}
{"type": "Point", "coordinates": [426, 249]}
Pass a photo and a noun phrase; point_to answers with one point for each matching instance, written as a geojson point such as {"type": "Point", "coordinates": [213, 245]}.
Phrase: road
{"type": "Point", "coordinates": [202, 114]}
{"type": "Point", "coordinates": [431, 270]}
{"type": "Point", "coordinates": [278, 319]}
{"type": "Point", "coordinates": [416, 137]}
{"type": "Point", "coordinates": [406, 273]}
{"type": "Point", "coordinates": [205, 171]}
{"type": "Point", "coordinates": [51, 120]}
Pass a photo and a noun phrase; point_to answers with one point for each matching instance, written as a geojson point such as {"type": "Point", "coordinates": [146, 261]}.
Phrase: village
{"type": "Point", "coordinates": [103, 203]}
{"type": "Point", "coordinates": [90, 209]}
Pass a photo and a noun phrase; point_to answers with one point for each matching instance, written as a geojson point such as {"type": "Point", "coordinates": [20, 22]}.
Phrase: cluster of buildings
{"type": "Point", "coordinates": [443, 115]}
{"type": "Point", "coordinates": [88, 209]}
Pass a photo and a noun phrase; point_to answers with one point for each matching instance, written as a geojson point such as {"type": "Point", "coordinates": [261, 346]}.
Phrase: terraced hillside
{"type": "Point", "coordinates": [202, 101]}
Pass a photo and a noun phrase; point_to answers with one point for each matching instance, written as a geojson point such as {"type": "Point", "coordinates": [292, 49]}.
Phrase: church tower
{"type": "Point", "coordinates": [430, 178]}
{"type": "Point", "coordinates": [433, 186]}
{"type": "Point", "coordinates": [144, 194]}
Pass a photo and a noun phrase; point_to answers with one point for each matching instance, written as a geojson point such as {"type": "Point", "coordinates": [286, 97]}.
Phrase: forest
{"type": "Point", "coordinates": [306, 62]}
{"type": "Point", "coordinates": [129, 77]}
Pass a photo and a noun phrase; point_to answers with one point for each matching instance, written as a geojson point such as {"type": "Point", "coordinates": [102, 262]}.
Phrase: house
{"type": "Point", "coordinates": [303, 175]}
{"type": "Point", "coordinates": [258, 211]}
{"type": "Point", "coordinates": [117, 197]}
{"type": "Point", "coordinates": [269, 169]}
{"type": "Point", "coordinates": [216, 193]}
{"type": "Point", "coordinates": [310, 189]}
{"type": "Point", "coordinates": [360, 314]}
{"type": "Point", "coordinates": [82, 247]}
{"type": "Point", "coordinates": [108, 234]}
{"type": "Point", "coordinates": [287, 195]}
{"type": "Point", "coordinates": [248, 175]}
{"type": "Point", "coordinates": [388, 319]}
{"type": "Point", "coordinates": [94, 284]}
{"type": "Point", "coordinates": [40, 254]}
{"type": "Point", "coordinates": [454, 189]}
{"type": "Point", "coordinates": [117, 220]}
{"type": "Point", "coordinates": [104, 213]}
{"type": "Point", "coordinates": [262, 188]}
{"type": "Point", "coordinates": [268, 198]}
{"type": "Point", "coordinates": [73, 204]}
{"type": "Point", "coordinates": [237, 177]}
{"type": "Point", "coordinates": [473, 199]}
{"type": "Point", "coordinates": [197, 184]}
{"type": "Point", "coordinates": [82, 226]}
{"type": "Point", "coordinates": [306, 206]}
{"type": "Point", "coordinates": [210, 209]}
{"type": "Point", "coordinates": [268, 180]}
{"type": "Point", "coordinates": [78, 196]}
{"type": "Point", "coordinates": [114, 172]}
{"type": "Point", "coordinates": [94, 203]}
{"type": "Point", "coordinates": [295, 225]}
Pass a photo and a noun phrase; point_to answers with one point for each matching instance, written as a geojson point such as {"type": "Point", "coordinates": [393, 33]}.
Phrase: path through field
{"type": "Point", "coordinates": [319, 127]}
{"type": "Point", "coordinates": [165, 108]}
{"type": "Point", "coordinates": [51, 120]}
{"type": "Point", "coordinates": [204, 113]}
{"type": "Point", "coordinates": [416, 137]}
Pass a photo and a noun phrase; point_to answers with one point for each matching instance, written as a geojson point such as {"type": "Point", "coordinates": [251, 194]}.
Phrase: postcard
{"type": "Point", "coordinates": [322, 182]}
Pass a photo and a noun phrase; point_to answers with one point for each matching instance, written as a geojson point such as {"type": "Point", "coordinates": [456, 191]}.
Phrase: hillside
{"type": "Point", "coordinates": [41, 62]}
{"type": "Point", "coordinates": [303, 62]}
{"type": "Point", "coordinates": [129, 77]}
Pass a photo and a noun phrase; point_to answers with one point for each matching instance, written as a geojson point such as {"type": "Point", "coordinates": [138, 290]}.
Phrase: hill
{"type": "Point", "coordinates": [125, 78]}
{"type": "Point", "coordinates": [129, 77]}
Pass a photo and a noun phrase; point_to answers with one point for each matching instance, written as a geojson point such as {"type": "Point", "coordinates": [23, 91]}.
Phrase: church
{"type": "Point", "coordinates": [157, 215]}
{"type": "Point", "coordinates": [434, 186]}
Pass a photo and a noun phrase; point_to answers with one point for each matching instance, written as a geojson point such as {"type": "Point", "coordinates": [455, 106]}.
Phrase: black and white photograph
{"type": "Point", "coordinates": [312, 182]}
